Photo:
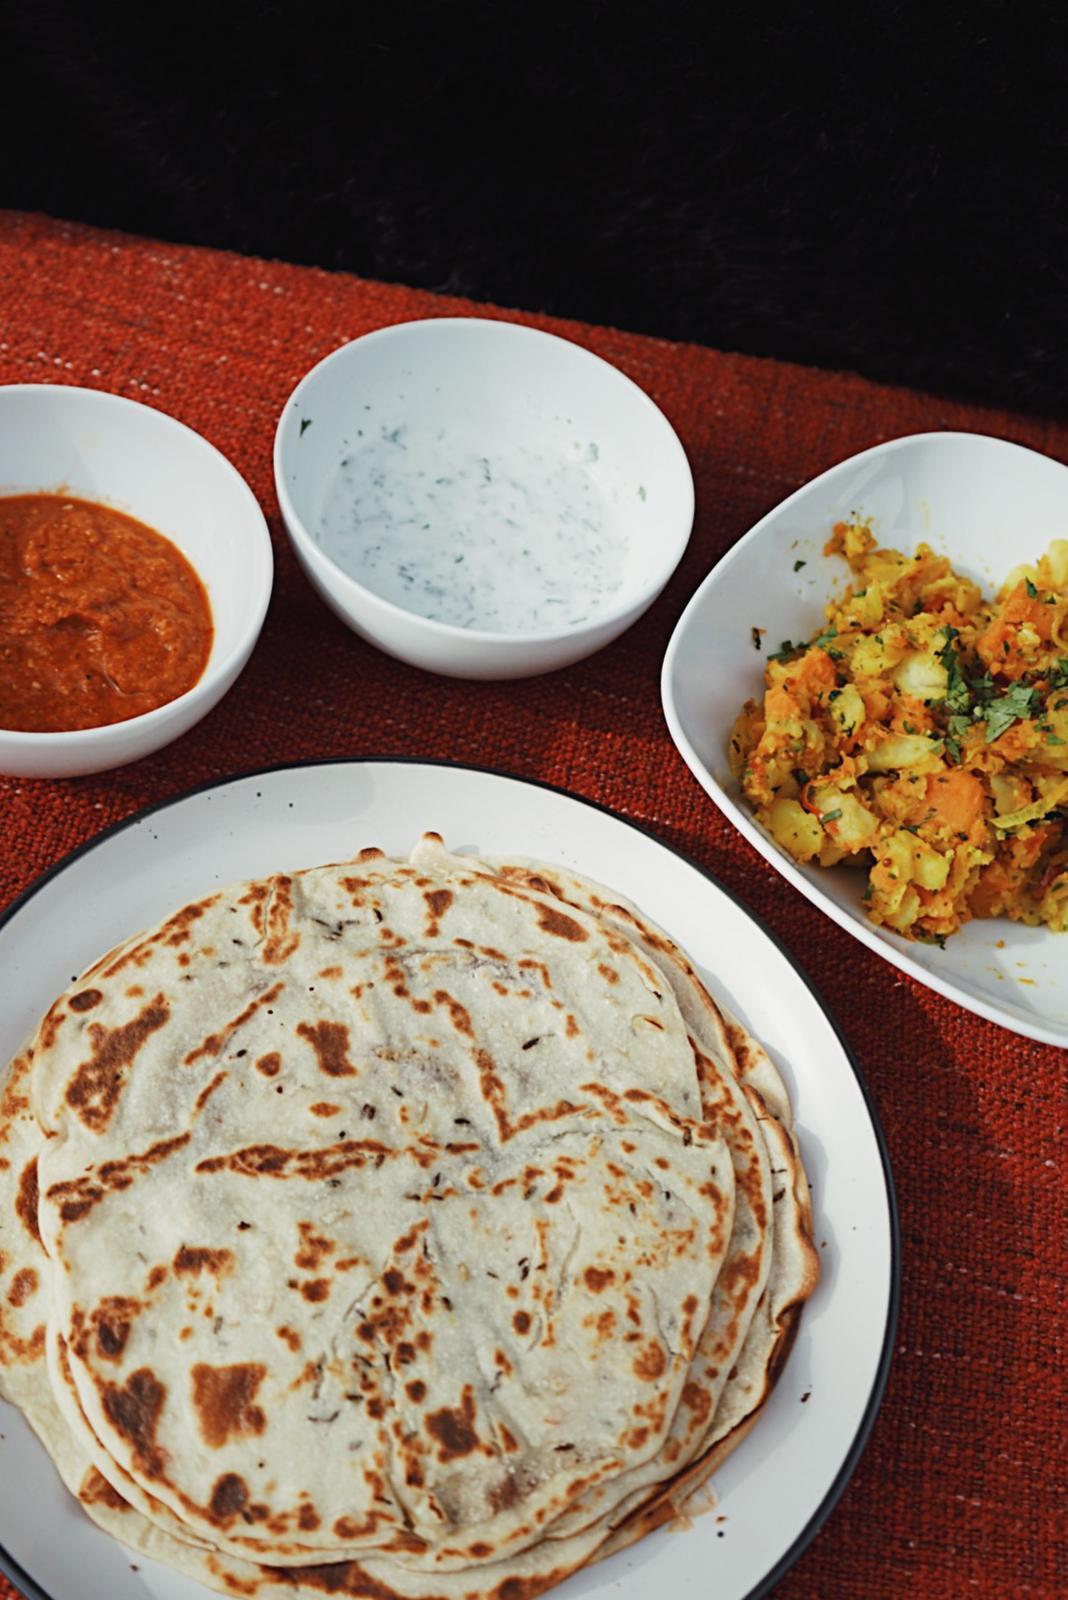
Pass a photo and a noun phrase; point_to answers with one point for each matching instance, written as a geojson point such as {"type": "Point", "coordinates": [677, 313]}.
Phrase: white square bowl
{"type": "Point", "coordinates": [986, 504]}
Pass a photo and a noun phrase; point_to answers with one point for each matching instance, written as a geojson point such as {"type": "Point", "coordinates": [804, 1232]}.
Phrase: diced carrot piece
{"type": "Point", "coordinates": [816, 672]}
{"type": "Point", "coordinates": [996, 645]}
{"type": "Point", "coordinates": [955, 798]}
{"type": "Point", "coordinates": [987, 896]}
{"type": "Point", "coordinates": [877, 703]}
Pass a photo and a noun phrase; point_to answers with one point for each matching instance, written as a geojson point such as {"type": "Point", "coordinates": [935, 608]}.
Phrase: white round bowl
{"type": "Point", "coordinates": [99, 447]}
{"type": "Point", "coordinates": [512, 386]}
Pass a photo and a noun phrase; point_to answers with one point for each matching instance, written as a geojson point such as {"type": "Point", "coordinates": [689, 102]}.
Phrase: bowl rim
{"type": "Point", "coordinates": [99, 733]}
{"type": "Point", "coordinates": [868, 934]}
{"type": "Point", "coordinates": [639, 599]}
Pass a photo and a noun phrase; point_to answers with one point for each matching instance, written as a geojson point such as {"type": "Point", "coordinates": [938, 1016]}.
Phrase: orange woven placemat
{"type": "Point", "coordinates": [960, 1491]}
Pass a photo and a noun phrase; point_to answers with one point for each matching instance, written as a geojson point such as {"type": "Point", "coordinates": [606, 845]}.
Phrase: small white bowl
{"type": "Point", "coordinates": [508, 387]}
{"type": "Point", "coordinates": [986, 504]}
{"type": "Point", "coordinates": [97, 446]}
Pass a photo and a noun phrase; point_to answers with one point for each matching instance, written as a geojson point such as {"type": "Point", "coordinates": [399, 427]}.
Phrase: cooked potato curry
{"type": "Point", "coordinates": [924, 735]}
{"type": "Point", "coordinates": [101, 618]}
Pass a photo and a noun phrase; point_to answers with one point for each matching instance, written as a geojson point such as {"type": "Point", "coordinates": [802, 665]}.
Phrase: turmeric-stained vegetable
{"type": "Point", "coordinates": [923, 733]}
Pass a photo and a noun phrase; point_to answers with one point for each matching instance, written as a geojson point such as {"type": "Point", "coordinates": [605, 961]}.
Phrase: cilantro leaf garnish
{"type": "Point", "coordinates": [957, 696]}
{"type": "Point", "coordinates": [1001, 714]}
{"type": "Point", "coordinates": [823, 642]}
{"type": "Point", "coordinates": [982, 688]}
{"type": "Point", "coordinates": [958, 726]}
{"type": "Point", "coordinates": [1032, 592]}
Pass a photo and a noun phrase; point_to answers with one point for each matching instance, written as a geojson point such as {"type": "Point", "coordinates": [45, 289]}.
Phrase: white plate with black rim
{"type": "Point", "coordinates": [777, 1488]}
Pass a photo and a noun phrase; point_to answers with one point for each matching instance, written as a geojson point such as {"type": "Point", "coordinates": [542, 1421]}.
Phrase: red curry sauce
{"type": "Point", "coordinates": [101, 618]}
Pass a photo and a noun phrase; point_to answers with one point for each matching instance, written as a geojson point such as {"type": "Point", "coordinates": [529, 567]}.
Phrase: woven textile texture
{"type": "Point", "coordinates": [960, 1490]}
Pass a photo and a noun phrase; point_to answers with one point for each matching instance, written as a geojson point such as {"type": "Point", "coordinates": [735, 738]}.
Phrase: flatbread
{"type": "Point", "coordinates": [768, 1268]}
{"type": "Point", "coordinates": [457, 1164]}
{"type": "Point", "coordinates": [417, 1228]}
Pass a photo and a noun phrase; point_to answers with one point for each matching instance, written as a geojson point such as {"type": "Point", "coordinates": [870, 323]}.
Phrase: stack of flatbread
{"type": "Point", "coordinates": [395, 1228]}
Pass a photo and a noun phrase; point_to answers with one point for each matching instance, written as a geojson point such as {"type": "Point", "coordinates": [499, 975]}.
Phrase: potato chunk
{"type": "Point", "coordinates": [921, 674]}
{"type": "Point", "coordinates": [851, 825]}
{"type": "Point", "coordinates": [903, 750]}
{"type": "Point", "coordinates": [847, 709]}
{"type": "Point", "coordinates": [916, 862]}
{"type": "Point", "coordinates": [795, 829]}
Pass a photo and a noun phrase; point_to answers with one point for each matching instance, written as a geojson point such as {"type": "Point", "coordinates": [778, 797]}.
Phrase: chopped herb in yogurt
{"type": "Point", "coordinates": [513, 542]}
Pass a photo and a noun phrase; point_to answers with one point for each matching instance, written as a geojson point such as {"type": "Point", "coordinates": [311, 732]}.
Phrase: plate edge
{"type": "Point", "coordinates": [29, 1586]}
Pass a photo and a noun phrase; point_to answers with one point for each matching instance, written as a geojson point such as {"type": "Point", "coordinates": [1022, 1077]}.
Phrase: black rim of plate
{"type": "Point", "coordinates": [29, 1585]}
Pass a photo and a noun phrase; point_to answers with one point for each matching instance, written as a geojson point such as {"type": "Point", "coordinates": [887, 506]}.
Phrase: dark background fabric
{"type": "Point", "coordinates": [960, 1491]}
{"type": "Point", "coordinates": [876, 187]}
